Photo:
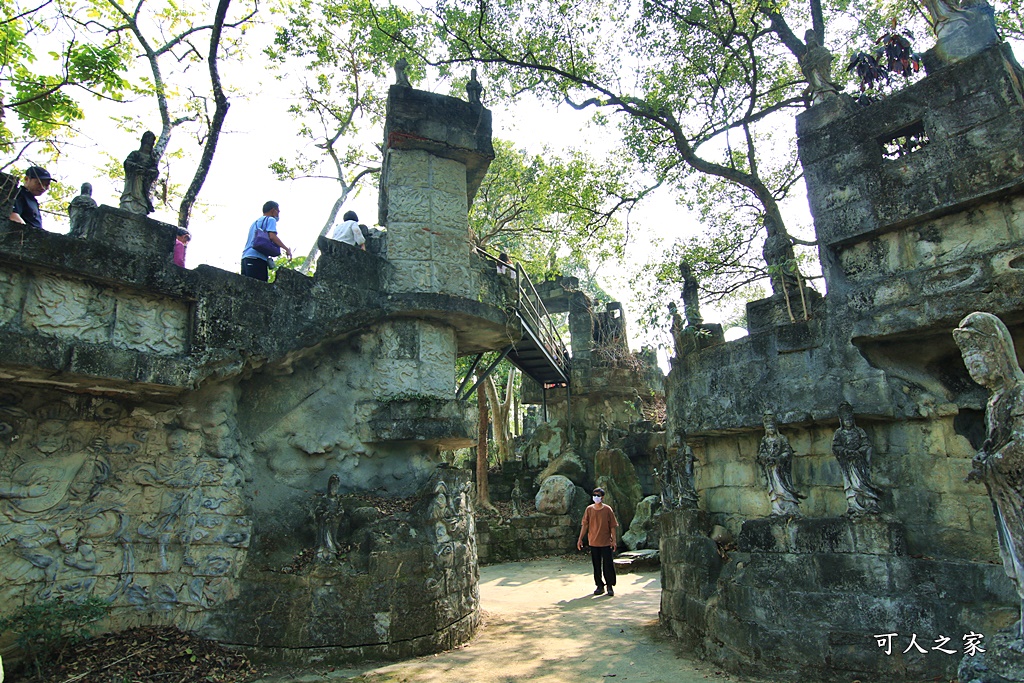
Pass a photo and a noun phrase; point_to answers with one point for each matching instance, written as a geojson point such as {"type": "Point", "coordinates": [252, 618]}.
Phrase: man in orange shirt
{"type": "Point", "coordinates": [599, 525]}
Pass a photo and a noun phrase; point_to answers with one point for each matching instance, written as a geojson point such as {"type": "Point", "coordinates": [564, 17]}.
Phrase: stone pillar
{"type": "Point", "coordinates": [437, 150]}
{"type": "Point", "coordinates": [414, 358]}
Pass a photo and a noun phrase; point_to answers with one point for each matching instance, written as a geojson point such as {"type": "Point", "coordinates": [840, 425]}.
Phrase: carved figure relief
{"type": "Point", "coordinates": [853, 451]}
{"type": "Point", "coordinates": [111, 505]}
{"type": "Point", "coordinates": [675, 474]}
{"type": "Point", "coordinates": [991, 360]}
{"type": "Point", "coordinates": [775, 456]}
{"type": "Point", "coordinates": [327, 512]}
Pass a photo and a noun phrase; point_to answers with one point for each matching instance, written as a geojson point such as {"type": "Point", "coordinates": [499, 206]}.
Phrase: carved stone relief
{"type": "Point", "coordinates": [83, 311]}
{"type": "Point", "coordinates": [100, 500]}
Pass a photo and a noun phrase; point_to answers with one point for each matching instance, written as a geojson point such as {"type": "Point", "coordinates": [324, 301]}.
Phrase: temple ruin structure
{"type": "Point", "coordinates": [909, 243]}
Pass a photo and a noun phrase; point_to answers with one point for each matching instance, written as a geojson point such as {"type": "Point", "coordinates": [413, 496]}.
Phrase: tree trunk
{"type": "Point", "coordinates": [483, 494]}
{"type": "Point", "coordinates": [501, 410]}
{"type": "Point", "coordinates": [220, 112]}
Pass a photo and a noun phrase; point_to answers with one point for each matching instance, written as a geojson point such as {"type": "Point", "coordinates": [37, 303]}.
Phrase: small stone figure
{"type": "Point", "coordinates": [775, 456]}
{"type": "Point", "coordinates": [991, 360]}
{"type": "Point", "coordinates": [677, 327]}
{"type": "Point", "coordinates": [517, 500]}
{"type": "Point", "coordinates": [140, 172]}
{"type": "Point", "coordinates": [401, 78]}
{"type": "Point", "coordinates": [686, 491]}
{"type": "Point", "coordinates": [853, 450]}
{"type": "Point", "coordinates": [779, 255]}
{"type": "Point", "coordinates": [473, 89]}
{"type": "Point", "coordinates": [816, 65]}
{"type": "Point", "coordinates": [691, 300]}
{"type": "Point", "coordinates": [602, 434]}
{"type": "Point", "coordinates": [80, 207]}
{"type": "Point", "coordinates": [327, 513]}
{"type": "Point", "coordinates": [666, 477]}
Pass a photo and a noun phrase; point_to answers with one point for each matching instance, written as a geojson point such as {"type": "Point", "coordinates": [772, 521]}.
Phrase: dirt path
{"type": "Point", "coordinates": [541, 624]}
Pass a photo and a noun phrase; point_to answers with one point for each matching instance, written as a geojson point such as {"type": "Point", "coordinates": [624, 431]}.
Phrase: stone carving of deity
{"type": "Point", "coordinates": [853, 451]}
{"type": "Point", "coordinates": [140, 172]}
{"type": "Point", "coordinates": [401, 78]}
{"type": "Point", "coordinates": [775, 456]}
{"type": "Point", "coordinates": [327, 513]}
{"type": "Point", "coordinates": [816, 65]}
{"type": "Point", "coordinates": [80, 207]}
{"type": "Point", "coordinates": [665, 477]}
{"type": "Point", "coordinates": [991, 360]}
{"type": "Point", "coordinates": [602, 434]}
{"type": "Point", "coordinates": [53, 504]}
{"type": "Point", "coordinates": [473, 89]}
{"type": "Point", "coordinates": [691, 298]}
{"type": "Point", "coordinates": [677, 327]}
{"type": "Point", "coordinates": [779, 255]}
{"type": "Point", "coordinates": [517, 500]}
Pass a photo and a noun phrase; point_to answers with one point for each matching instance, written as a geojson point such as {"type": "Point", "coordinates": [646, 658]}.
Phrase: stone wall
{"type": "Point", "coordinates": [255, 462]}
{"type": "Point", "coordinates": [909, 246]}
{"type": "Point", "coordinates": [524, 538]}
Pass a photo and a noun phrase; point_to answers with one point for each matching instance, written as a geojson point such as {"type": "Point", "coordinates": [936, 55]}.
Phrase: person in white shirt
{"type": "Point", "coordinates": [348, 231]}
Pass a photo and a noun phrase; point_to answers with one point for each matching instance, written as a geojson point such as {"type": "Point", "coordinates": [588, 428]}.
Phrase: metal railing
{"type": "Point", "coordinates": [531, 311]}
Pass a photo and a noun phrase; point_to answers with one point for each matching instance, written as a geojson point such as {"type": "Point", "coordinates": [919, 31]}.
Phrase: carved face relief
{"type": "Point", "coordinates": [983, 366]}
{"type": "Point", "coordinates": [52, 437]}
{"type": "Point", "coordinates": [846, 421]}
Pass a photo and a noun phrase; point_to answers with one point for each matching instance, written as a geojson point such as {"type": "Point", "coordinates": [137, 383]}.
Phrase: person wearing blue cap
{"type": "Point", "coordinates": [26, 206]}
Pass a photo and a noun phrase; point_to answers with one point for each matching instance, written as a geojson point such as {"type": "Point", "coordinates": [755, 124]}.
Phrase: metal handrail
{"type": "Point", "coordinates": [531, 310]}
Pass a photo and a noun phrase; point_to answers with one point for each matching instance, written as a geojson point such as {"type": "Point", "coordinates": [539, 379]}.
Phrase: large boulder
{"type": "Point", "coordinates": [580, 501]}
{"type": "Point", "coordinates": [545, 445]}
{"type": "Point", "coordinates": [617, 476]}
{"type": "Point", "coordinates": [568, 465]}
{"type": "Point", "coordinates": [644, 531]}
{"type": "Point", "coordinates": [555, 495]}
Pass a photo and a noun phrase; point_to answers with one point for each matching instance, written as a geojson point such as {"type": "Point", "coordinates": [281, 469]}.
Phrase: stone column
{"type": "Point", "coordinates": [437, 150]}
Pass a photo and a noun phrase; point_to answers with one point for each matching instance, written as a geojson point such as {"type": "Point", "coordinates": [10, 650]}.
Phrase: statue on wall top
{"type": "Point", "coordinates": [473, 89]}
{"type": "Point", "coordinates": [991, 360]}
{"type": "Point", "coordinates": [949, 16]}
{"type": "Point", "coordinates": [816, 65]}
{"type": "Point", "coordinates": [779, 256]}
{"type": "Point", "coordinates": [853, 451]}
{"type": "Point", "coordinates": [775, 456]}
{"type": "Point", "coordinates": [140, 172]}
{"type": "Point", "coordinates": [691, 296]}
{"type": "Point", "coordinates": [327, 513]}
{"type": "Point", "coordinates": [401, 78]}
{"type": "Point", "coordinates": [80, 207]}
{"type": "Point", "coordinates": [677, 326]}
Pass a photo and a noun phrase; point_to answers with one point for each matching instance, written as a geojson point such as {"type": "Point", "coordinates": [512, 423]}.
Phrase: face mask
{"type": "Point", "coordinates": [597, 499]}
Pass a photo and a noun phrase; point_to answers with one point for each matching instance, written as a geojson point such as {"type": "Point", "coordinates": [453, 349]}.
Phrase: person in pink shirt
{"type": "Point", "coordinates": [180, 245]}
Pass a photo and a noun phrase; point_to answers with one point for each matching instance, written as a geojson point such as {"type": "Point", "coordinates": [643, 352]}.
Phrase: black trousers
{"type": "Point", "coordinates": [602, 559]}
{"type": "Point", "coordinates": [255, 268]}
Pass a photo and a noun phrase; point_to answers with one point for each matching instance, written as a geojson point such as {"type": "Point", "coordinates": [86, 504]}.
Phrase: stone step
{"type": "Point", "coordinates": [637, 559]}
